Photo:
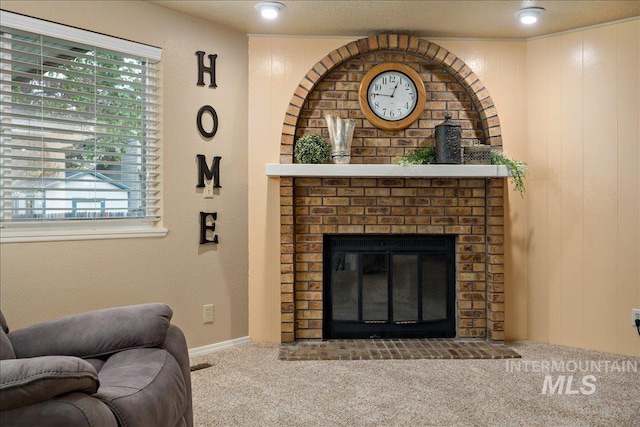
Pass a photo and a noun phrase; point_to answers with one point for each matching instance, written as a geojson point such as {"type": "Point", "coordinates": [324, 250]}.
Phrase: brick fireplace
{"type": "Point", "coordinates": [469, 208]}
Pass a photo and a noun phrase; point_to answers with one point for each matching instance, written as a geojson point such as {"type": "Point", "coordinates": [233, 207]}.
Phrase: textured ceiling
{"type": "Point", "coordinates": [442, 18]}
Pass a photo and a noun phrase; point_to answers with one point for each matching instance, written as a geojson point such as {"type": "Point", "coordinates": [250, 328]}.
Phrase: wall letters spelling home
{"type": "Point", "coordinates": [211, 174]}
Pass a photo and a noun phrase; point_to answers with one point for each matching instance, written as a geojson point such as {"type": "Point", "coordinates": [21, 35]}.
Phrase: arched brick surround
{"type": "Point", "coordinates": [479, 95]}
{"type": "Point", "coordinates": [471, 209]}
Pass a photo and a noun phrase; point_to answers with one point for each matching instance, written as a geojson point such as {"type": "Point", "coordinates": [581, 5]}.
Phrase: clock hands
{"type": "Point", "coordinates": [394, 89]}
{"type": "Point", "coordinates": [384, 94]}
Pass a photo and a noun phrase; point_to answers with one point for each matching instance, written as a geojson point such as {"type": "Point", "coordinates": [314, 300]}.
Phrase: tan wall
{"type": "Point", "coordinates": [584, 151]}
{"type": "Point", "coordinates": [44, 280]}
{"type": "Point", "coordinates": [569, 106]}
{"type": "Point", "coordinates": [276, 66]}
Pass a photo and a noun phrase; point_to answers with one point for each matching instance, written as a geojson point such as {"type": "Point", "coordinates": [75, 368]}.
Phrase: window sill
{"type": "Point", "coordinates": [55, 234]}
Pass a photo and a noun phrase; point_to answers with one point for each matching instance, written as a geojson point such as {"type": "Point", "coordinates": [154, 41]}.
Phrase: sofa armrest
{"type": "Point", "coordinates": [95, 333]}
{"type": "Point", "coordinates": [176, 345]}
{"type": "Point", "coordinates": [33, 380]}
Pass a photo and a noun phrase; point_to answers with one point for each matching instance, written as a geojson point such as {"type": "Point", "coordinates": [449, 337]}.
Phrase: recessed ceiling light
{"type": "Point", "coordinates": [269, 9]}
{"type": "Point", "coordinates": [529, 15]}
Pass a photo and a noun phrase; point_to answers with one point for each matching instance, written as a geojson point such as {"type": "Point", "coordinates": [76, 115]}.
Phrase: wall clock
{"type": "Point", "coordinates": [392, 96]}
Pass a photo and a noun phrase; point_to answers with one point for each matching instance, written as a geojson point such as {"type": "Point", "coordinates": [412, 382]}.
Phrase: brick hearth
{"type": "Point", "coordinates": [471, 209]}
{"type": "Point", "coordinates": [402, 349]}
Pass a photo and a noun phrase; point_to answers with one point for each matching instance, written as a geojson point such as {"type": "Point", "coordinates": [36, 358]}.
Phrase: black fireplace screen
{"type": "Point", "coordinates": [391, 286]}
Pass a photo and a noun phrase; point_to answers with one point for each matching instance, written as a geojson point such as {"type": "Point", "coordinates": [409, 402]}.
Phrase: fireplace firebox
{"type": "Point", "coordinates": [389, 286]}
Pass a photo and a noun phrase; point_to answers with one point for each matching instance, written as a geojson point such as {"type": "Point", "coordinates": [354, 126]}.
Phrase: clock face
{"type": "Point", "coordinates": [392, 95]}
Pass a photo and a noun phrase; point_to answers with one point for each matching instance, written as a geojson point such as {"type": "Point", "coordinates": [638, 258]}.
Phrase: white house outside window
{"type": "Point", "coordinates": [78, 135]}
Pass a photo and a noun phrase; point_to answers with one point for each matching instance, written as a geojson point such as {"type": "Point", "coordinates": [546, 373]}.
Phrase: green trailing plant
{"type": "Point", "coordinates": [311, 148]}
{"type": "Point", "coordinates": [419, 156]}
{"type": "Point", "coordinates": [516, 167]}
{"type": "Point", "coordinates": [427, 155]}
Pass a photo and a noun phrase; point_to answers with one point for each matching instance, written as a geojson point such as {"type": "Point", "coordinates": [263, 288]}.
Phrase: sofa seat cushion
{"type": "Point", "coordinates": [6, 348]}
{"type": "Point", "coordinates": [71, 409]}
{"type": "Point", "coordinates": [143, 387]}
{"type": "Point", "coordinates": [27, 381]}
{"type": "Point", "coordinates": [3, 323]}
{"type": "Point", "coordinates": [96, 363]}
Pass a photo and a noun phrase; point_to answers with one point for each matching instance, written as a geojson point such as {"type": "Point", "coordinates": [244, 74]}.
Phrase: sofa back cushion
{"type": "Point", "coordinates": [95, 333]}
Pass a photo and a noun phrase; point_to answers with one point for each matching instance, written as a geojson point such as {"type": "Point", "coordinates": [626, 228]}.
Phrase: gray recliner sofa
{"type": "Point", "coordinates": [123, 366]}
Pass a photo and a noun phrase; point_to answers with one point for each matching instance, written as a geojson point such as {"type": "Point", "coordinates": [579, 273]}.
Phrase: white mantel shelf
{"type": "Point", "coordinates": [386, 171]}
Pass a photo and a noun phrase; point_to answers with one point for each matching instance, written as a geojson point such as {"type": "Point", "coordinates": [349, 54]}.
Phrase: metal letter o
{"type": "Point", "coordinates": [214, 115]}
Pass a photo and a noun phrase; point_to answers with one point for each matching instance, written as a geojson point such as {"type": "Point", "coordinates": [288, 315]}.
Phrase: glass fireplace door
{"type": "Point", "coordinates": [386, 288]}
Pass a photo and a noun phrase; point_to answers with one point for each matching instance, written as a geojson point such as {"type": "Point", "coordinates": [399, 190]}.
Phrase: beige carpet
{"type": "Point", "coordinates": [248, 385]}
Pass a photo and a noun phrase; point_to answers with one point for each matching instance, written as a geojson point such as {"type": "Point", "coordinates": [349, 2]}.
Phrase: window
{"type": "Point", "coordinates": [79, 137]}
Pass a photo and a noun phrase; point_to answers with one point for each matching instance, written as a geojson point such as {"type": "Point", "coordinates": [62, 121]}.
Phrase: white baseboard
{"type": "Point", "coordinates": [199, 351]}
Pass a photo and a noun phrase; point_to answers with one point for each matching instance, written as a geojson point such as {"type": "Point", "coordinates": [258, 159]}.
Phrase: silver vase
{"type": "Point", "coordinates": [340, 134]}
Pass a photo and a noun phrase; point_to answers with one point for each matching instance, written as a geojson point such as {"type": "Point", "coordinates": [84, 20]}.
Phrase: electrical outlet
{"type": "Point", "coordinates": [635, 315]}
{"type": "Point", "coordinates": [208, 313]}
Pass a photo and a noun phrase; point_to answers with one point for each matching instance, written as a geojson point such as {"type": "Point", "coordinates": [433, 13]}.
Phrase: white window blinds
{"type": "Point", "coordinates": [78, 124]}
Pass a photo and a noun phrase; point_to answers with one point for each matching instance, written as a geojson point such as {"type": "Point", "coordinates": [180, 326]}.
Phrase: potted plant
{"type": "Point", "coordinates": [311, 148]}
{"type": "Point", "coordinates": [419, 156]}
